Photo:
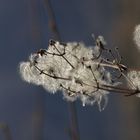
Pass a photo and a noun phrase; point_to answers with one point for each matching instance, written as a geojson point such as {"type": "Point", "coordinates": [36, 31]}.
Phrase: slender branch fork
{"type": "Point", "coordinates": [72, 109]}
{"type": "Point", "coordinates": [114, 64]}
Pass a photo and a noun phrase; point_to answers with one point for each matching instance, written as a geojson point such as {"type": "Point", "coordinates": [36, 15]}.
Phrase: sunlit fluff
{"type": "Point", "coordinates": [71, 68]}
{"type": "Point", "coordinates": [137, 36]}
{"type": "Point", "coordinates": [134, 76]}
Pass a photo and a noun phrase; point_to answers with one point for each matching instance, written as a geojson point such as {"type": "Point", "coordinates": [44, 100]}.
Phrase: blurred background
{"type": "Point", "coordinates": [28, 112]}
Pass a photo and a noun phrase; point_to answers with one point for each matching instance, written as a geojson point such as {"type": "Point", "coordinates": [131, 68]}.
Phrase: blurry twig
{"type": "Point", "coordinates": [52, 21]}
{"type": "Point", "coordinates": [74, 123]}
{"type": "Point", "coordinates": [72, 109]}
{"type": "Point", "coordinates": [39, 113]}
{"type": "Point", "coordinates": [6, 131]}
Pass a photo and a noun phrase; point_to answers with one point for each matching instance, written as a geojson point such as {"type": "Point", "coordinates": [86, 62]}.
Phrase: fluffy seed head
{"type": "Point", "coordinates": [71, 68]}
{"type": "Point", "coordinates": [134, 76]}
{"type": "Point", "coordinates": [137, 36]}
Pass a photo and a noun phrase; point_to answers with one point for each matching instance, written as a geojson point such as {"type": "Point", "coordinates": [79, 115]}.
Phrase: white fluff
{"type": "Point", "coordinates": [137, 36]}
{"type": "Point", "coordinates": [78, 81]}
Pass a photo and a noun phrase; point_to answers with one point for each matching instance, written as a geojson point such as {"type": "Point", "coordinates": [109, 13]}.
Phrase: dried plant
{"type": "Point", "coordinates": [80, 72]}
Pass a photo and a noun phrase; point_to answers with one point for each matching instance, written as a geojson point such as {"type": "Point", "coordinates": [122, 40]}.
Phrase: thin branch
{"type": "Point", "coordinates": [52, 76]}
{"type": "Point", "coordinates": [98, 86]}
{"type": "Point", "coordinates": [6, 131]}
{"type": "Point", "coordinates": [52, 20]}
{"type": "Point", "coordinates": [61, 54]}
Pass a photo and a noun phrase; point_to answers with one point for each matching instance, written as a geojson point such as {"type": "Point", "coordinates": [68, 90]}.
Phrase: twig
{"type": "Point", "coordinates": [52, 21]}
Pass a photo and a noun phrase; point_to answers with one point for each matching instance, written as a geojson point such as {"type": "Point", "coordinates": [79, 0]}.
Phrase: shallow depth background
{"type": "Point", "coordinates": [29, 111]}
